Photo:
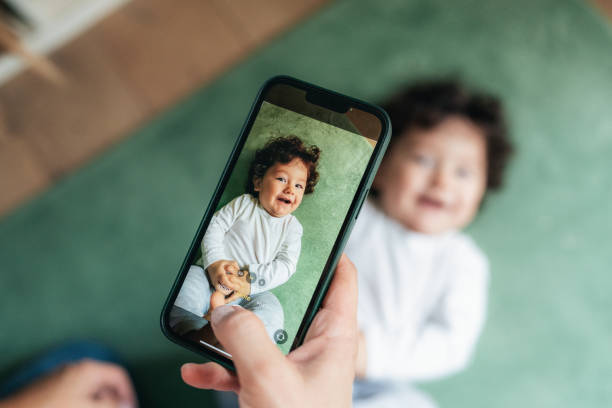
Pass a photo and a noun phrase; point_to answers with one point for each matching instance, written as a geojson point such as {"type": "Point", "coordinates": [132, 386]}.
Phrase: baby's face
{"type": "Point", "coordinates": [282, 187]}
{"type": "Point", "coordinates": [433, 180]}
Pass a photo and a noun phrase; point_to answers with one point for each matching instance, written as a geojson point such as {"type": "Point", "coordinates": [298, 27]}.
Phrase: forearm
{"type": "Point", "coordinates": [212, 242]}
{"type": "Point", "coordinates": [212, 248]}
{"type": "Point", "coordinates": [268, 276]}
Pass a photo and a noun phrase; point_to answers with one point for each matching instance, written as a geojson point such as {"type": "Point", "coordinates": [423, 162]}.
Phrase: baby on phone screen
{"type": "Point", "coordinates": [253, 243]}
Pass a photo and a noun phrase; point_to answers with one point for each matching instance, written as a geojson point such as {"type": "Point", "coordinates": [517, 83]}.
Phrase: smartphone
{"type": "Point", "coordinates": [276, 225]}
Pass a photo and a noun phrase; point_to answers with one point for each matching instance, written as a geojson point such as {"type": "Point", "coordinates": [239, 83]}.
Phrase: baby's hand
{"type": "Point", "coordinates": [241, 284]}
{"type": "Point", "coordinates": [232, 268]}
{"type": "Point", "coordinates": [219, 272]}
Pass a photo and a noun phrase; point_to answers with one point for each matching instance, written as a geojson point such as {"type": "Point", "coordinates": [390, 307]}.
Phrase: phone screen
{"type": "Point", "coordinates": [285, 200]}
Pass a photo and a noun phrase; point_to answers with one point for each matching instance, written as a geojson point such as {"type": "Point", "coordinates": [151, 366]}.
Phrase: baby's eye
{"type": "Point", "coordinates": [282, 179]}
{"type": "Point", "coordinates": [424, 160]}
{"type": "Point", "coordinates": [301, 187]}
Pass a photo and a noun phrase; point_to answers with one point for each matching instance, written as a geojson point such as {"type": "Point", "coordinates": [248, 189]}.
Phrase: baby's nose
{"type": "Point", "coordinates": [442, 178]}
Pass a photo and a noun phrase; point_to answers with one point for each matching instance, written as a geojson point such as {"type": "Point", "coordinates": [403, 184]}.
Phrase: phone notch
{"type": "Point", "coordinates": [328, 101]}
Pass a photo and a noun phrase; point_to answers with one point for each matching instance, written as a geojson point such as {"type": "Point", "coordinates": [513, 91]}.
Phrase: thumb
{"type": "Point", "coordinates": [244, 336]}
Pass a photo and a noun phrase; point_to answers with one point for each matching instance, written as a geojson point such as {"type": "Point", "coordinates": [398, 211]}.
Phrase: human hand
{"type": "Point", "coordinates": [85, 384]}
{"type": "Point", "coordinates": [318, 373]}
{"type": "Point", "coordinates": [218, 273]}
{"type": "Point", "coordinates": [229, 284]}
{"type": "Point", "coordinates": [216, 299]}
{"type": "Point", "coordinates": [241, 283]}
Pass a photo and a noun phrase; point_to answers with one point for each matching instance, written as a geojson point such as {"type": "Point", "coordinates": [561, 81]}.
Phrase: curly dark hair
{"type": "Point", "coordinates": [283, 150]}
{"type": "Point", "coordinates": [425, 104]}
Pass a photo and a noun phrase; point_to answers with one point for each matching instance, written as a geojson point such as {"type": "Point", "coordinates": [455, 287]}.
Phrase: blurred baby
{"type": "Point", "coordinates": [422, 282]}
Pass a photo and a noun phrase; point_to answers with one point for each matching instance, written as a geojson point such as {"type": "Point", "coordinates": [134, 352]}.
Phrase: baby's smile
{"type": "Point", "coordinates": [284, 200]}
{"type": "Point", "coordinates": [431, 202]}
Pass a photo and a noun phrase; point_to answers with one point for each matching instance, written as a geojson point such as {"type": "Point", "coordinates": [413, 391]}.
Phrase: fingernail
{"type": "Point", "coordinates": [221, 312]}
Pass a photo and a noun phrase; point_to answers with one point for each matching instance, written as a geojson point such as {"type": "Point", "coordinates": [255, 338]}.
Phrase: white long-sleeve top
{"type": "Point", "coordinates": [244, 232]}
{"type": "Point", "coordinates": [422, 298]}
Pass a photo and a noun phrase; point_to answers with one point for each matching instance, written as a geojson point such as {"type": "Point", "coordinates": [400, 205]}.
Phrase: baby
{"type": "Point", "coordinates": [253, 243]}
{"type": "Point", "coordinates": [422, 282]}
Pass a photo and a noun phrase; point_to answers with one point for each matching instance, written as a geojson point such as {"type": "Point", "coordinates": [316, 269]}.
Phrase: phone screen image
{"type": "Point", "coordinates": [277, 217]}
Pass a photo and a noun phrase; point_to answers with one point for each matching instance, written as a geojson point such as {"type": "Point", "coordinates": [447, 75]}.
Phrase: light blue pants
{"type": "Point", "coordinates": [193, 301]}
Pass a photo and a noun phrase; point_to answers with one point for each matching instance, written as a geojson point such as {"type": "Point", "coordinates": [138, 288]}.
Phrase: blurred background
{"type": "Point", "coordinates": [116, 118]}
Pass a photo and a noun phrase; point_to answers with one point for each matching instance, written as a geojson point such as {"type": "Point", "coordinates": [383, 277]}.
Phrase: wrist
{"type": "Point", "coordinates": [211, 272]}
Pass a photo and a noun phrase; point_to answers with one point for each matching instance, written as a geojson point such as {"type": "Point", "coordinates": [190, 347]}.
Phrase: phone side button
{"type": "Point", "coordinates": [365, 196]}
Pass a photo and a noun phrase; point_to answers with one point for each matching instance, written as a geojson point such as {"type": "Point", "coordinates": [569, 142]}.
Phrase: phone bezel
{"type": "Point", "coordinates": [323, 97]}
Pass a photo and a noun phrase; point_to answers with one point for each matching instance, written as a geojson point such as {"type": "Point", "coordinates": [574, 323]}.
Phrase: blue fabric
{"type": "Point", "coordinates": [54, 359]}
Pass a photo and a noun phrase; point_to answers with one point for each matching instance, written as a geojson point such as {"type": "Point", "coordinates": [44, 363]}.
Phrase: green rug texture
{"type": "Point", "coordinates": [95, 256]}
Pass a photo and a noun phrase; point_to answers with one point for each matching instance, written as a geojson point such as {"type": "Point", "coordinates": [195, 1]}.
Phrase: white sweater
{"type": "Point", "coordinates": [422, 298]}
{"type": "Point", "coordinates": [244, 232]}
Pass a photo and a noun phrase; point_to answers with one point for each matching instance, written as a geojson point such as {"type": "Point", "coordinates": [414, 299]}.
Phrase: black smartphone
{"type": "Point", "coordinates": [276, 225]}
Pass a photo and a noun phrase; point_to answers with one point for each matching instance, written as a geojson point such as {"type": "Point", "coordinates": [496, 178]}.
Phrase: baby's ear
{"type": "Point", "coordinates": [256, 183]}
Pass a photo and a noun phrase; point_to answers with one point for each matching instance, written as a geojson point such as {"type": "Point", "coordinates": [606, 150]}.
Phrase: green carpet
{"type": "Point", "coordinates": [95, 256]}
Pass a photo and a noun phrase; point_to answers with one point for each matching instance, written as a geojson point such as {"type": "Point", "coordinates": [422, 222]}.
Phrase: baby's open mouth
{"type": "Point", "coordinates": [224, 289]}
{"type": "Point", "coordinates": [431, 202]}
{"type": "Point", "coordinates": [284, 200]}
